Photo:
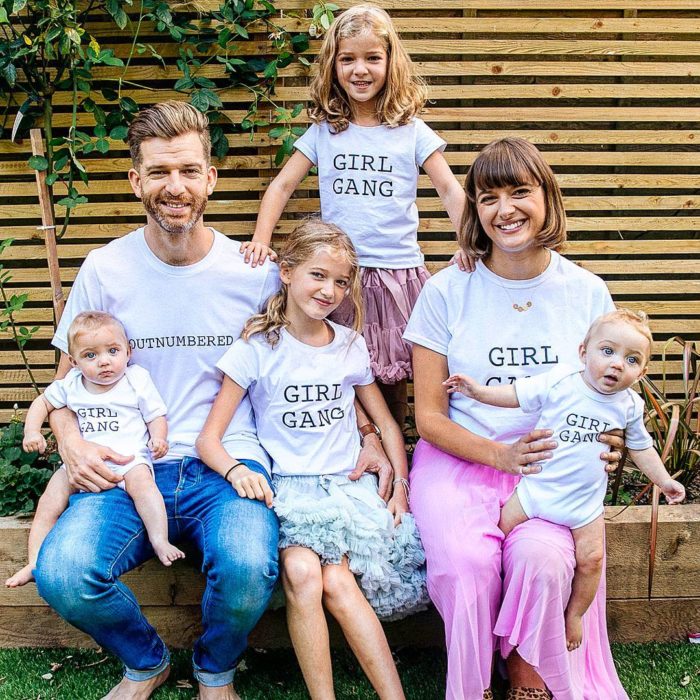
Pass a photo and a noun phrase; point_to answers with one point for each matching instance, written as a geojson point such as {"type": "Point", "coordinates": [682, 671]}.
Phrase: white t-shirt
{"type": "Point", "coordinates": [368, 180]}
{"type": "Point", "coordinates": [571, 486]}
{"type": "Point", "coordinates": [469, 318]}
{"type": "Point", "coordinates": [179, 321]}
{"type": "Point", "coordinates": [303, 398]}
{"type": "Point", "coordinates": [115, 418]}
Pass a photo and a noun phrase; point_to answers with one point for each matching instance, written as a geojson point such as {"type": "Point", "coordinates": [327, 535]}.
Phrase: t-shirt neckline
{"type": "Point", "coordinates": [519, 284]}
{"type": "Point", "coordinates": [179, 270]}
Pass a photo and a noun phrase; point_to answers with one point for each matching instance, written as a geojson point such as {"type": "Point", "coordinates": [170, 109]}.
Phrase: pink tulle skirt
{"type": "Point", "coordinates": [496, 594]}
{"type": "Point", "coordinates": [388, 297]}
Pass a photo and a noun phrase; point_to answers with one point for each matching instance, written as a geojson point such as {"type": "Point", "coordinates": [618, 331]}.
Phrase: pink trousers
{"type": "Point", "coordinates": [495, 594]}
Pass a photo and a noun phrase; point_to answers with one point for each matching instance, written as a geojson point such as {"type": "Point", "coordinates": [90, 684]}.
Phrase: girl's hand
{"type": "Point", "coordinates": [673, 490]}
{"type": "Point", "coordinates": [615, 440]}
{"type": "Point", "coordinates": [256, 253]}
{"type": "Point", "coordinates": [463, 384]}
{"type": "Point", "coordinates": [158, 447]}
{"type": "Point", "coordinates": [34, 442]}
{"type": "Point", "coordinates": [250, 484]}
{"type": "Point", "coordinates": [524, 456]}
{"type": "Point", "coordinates": [463, 261]}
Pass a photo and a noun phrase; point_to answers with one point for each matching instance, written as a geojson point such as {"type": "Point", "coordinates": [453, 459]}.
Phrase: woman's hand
{"type": "Point", "coordinates": [398, 504]}
{"type": "Point", "coordinates": [616, 441]}
{"type": "Point", "coordinates": [524, 456]}
{"type": "Point", "coordinates": [250, 484]}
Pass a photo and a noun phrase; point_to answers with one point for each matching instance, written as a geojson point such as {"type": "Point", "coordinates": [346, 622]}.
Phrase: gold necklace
{"type": "Point", "coordinates": [528, 304]}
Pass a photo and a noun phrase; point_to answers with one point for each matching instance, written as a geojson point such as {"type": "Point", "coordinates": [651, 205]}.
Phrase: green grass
{"type": "Point", "coordinates": [648, 672]}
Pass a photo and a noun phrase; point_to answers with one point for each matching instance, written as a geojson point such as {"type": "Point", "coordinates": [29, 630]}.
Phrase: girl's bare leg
{"type": "Point", "coordinates": [362, 629]}
{"type": "Point", "coordinates": [396, 397]}
{"type": "Point", "coordinates": [52, 503]}
{"type": "Point", "coordinates": [303, 587]}
{"type": "Point", "coordinates": [588, 541]}
{"type": "Point", "coordinates": [140, 485]}
{"type": "Point", "coordinates": [512, 514]}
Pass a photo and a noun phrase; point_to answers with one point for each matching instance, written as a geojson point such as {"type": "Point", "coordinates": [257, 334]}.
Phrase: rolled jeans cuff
{"type": "Point", "coordinates": [135, 675]}
{"type": "Point", "coordinates": [214, 680]}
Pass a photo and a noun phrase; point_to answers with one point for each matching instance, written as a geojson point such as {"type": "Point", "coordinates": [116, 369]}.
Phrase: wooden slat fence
{"type": "Point", "coordinates": [609, 89]}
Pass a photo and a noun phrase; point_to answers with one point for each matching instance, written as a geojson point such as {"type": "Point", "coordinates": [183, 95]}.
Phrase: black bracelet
{"type": "Point", "coordinates": [236, 465]}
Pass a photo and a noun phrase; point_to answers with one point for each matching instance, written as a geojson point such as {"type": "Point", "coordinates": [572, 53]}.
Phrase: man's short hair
{"type": "Point", "coordinates": [167, 120]}
{"type": "Point", "coordinates": [90, 321]}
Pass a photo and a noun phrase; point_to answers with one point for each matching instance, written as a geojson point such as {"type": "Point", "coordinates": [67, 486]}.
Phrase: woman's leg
{"type": "Point", "coordinates": [457, 508]}
{"type": "Point", "coordinates": [303, 588]}
{"type": "Point", "coordinates": [362, 629]}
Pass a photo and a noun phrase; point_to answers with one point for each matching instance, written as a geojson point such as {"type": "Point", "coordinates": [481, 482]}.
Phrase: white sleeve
{"type": "Point", "coordinates": [427, 142]}
{"type": "Point", "coordinates": [307, 143]}
{"type": "Point", "coordinates": [56, 393]}
{"type": "Point", "coordinates": [367, 376]}
{"type": "Point", "coordinates": [532, 392]}
{"type": "Point", "coordinates": [240, 363]}
{"type": "Point", "coordinates": [427, 325]}
{"type": "Point", "coordinates": [151, 403]}
{"type": "Point", "coordinates": [84, 296]}
{"type": "Point", "coordinates": [636, 435]}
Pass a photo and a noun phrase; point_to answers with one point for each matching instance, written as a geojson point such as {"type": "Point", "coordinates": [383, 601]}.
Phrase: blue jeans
{"type": "Point", "coordinates": [100, 537]}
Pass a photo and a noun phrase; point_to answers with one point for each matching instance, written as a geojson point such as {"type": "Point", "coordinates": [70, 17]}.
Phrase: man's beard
{"type": "Point", "coordinates": [175, 226]}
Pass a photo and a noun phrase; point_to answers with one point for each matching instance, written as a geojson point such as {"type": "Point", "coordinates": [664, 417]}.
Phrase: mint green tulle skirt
{"type": "Point", "coordinates": [338, 518]}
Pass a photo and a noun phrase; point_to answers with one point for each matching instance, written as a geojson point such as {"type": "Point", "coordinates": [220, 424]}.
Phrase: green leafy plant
{"type": "Point", "coordinates": [23, 475]}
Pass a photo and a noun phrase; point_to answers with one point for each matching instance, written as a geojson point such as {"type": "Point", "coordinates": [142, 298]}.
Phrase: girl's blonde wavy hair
{"type": "Point", "coordinates": [302, 244]}
{"type": "Point", "coordinates": [404, 92]}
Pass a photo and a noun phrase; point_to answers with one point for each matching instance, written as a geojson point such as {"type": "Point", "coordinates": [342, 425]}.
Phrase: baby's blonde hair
{"type": "Point", "coordinates": [90, 321]}
{"type": "Point", "coordinates": [301, 245]}
{"type": "Point", "coordinates": [404, 92]}
{"type": "Point", "coordinates": [637, 319]}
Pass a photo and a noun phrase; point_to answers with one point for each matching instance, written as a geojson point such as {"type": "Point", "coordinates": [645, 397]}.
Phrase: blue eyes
{"type": "Point", "coordinates": [607, 351]}
{"type": "Point", "coordinates": [633, 360]}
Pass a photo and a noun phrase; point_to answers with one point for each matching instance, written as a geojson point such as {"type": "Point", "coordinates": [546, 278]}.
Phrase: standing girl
{"type": "Point", "coordinates": [368, 144]}
{"type": "Point", "coordinates": [302, 373]}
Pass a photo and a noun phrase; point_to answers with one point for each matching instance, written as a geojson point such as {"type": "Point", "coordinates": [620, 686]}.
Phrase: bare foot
{"type": "Point", "coordinates": [23, 576]}
{"type": "Point", "coordinates": [574, 631]}
{"type": "Point", "coordinates": [167, 553]}
{"type": "Point", "coordinates": [222, 692]}
{"type": "Point", "coordinates": [137, 690]}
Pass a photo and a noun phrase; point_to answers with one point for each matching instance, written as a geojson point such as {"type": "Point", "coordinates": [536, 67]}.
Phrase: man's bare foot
{"type": "Point", "coordinates": [137, 690]}
{"type": "Point", "coordinates": [222, 692]}
{"type": "Point", "coordinates": [167, 553]}
{"type": "Point", "coordinates": [574, 630]}
{"type": "Point", "coordinates": [23, 576]}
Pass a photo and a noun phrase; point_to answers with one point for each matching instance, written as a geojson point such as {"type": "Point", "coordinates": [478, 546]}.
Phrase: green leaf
{"type": "Point", "coordinates": [3, 16]}
{"type": "Point", "coordinates": [277, 131]}
{"type": "Point", "coordinates": [300, 42]}
{"type": "Point", "coordinates": [200, 100]}
{"type": "Point", "coordinates": [38, 163]}
{"type": "Point", "coordinates": [51, 179]}
{"type": "Point", "coordinates": [102, 145]}
{"type": "Point", "coordinates": [18, 6]}
{"type": "Point", "coordinates": [10, 73]}
{"type": "Point", "coordinates": [119, 133]}
{"type": "Point", "coordinates": [271, 70]}
{"type": "Point", "coordinates": [325, 22]}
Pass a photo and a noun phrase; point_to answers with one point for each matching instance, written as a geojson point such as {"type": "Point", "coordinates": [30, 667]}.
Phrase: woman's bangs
{"type": "Point", "coordinates": [500, 167]}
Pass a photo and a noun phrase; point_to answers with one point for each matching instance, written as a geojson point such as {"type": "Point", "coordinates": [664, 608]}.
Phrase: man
{"type": "Point", "coordinates": [183, 293]}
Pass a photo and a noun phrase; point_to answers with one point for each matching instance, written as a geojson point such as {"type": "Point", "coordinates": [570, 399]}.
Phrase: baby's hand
{"type": "Point", "coordinates": [673, 490]}
{"type": "Point", "coordinates": [463, 384]}
{"type": "Point", "coordinates": [256, 253]}
{"type": "Point", "coordinates": [34, 442]}
{"type": "Point", "coordinates": [158, 447]}
{"type": "Point", "coordinates": [250, 484]}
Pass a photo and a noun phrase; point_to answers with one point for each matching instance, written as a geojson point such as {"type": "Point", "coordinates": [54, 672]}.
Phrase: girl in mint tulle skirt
{"type": "Point", "coordinates": [342, 547]}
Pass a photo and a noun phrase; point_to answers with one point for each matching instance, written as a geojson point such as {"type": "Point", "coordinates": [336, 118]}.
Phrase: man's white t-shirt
{"type": "Point", "coordinates": [115, 418]}
{"type": "Point", "coordinates": [368, 181]}
{"type": "Point", "coordinates": [179, 321]}
{"type": "Point", "coordinates": [469, 318]}
{"type": "Point", "coordinates": [303, 398]}
{"type": "Point", "coordinates": [571, 486]}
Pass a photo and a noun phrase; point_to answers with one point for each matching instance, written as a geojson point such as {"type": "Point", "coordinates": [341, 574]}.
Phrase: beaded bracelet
{"type": "Point", "coordinates": [235, 466]}
{"type": "Point", "coordinates": [406, 487]}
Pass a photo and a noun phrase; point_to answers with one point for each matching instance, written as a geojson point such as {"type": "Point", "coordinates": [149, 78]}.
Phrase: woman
{"type": "Point", "coordinates": [522, 310]}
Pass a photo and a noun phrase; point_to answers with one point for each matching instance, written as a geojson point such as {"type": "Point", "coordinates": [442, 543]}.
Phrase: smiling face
{"type": "Point", "coordinates": [512, 216]}
{"type": "Point", "coordinates": [361, 65]}
{"type": "Point", "coordinates": [615, 357]}
{"type": "Point", "coordinates": [316, 288]}
{"type": "Point", "coordinates": [101, 355]}
{"type": "Point", "coordinates": [174, 182]}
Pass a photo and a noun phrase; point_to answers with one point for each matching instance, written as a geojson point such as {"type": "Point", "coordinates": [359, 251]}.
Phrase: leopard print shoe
{"type": "Point", "coordinates": [528, 694]}
{"type": "Point", "coordinates": [488, 694]}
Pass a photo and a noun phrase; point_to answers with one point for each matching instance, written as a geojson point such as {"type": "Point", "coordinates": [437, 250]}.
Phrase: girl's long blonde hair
{"type": "Point", "coordinates": [302, 244]}
{"type": "Point", "coordinates": [404, 92]}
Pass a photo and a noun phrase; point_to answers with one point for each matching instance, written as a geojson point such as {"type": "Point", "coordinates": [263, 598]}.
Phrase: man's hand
{"type": "Point", "coordinates": [373, 459]}
{"type": "Point", "coordinates": [256, 253]}
{"type": "Point", "coordinates": [85, 464]}
{"type": "Point", "coordinates": [158, 447]}
{"type": "Point", "coordinates": [616, 441]}
{"type": "Point", "coordinates": [34, 441]}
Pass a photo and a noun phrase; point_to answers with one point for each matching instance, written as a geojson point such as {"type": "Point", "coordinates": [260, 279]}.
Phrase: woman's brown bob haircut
{"type": "Point", "coordinates": [167, 120]}
{"type": "Point", "coordinates": [510, 162]}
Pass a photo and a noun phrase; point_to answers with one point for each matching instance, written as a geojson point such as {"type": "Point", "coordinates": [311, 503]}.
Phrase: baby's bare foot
{"type": "Point", "coordinates": [23, 576]}
{"type": "Point", "coordinates": [574, 631]}
{"type": "Point", "coordinates": [167, 553]}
